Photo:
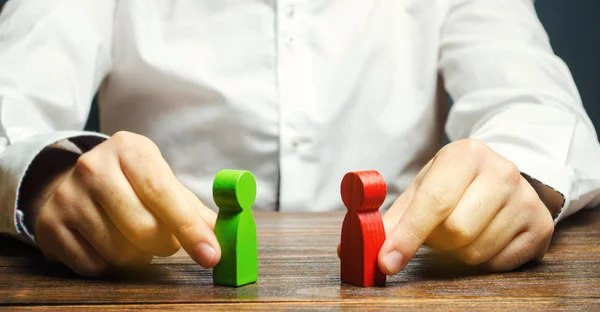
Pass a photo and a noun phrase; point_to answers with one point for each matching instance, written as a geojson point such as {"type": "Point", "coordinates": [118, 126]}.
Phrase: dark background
{"type": "Point", "coordinates": [574, 29]}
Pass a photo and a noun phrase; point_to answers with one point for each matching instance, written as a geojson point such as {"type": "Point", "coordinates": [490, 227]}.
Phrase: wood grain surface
{"type": "Point", "coordinates": [299, 269]}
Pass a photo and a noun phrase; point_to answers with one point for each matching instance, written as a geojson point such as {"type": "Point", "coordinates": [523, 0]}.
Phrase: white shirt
{"type": "Point", "coordinates": [298, 92]}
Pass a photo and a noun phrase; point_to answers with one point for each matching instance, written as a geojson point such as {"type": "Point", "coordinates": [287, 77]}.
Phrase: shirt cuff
{"type": "Point", "coordinates": [14, 162]}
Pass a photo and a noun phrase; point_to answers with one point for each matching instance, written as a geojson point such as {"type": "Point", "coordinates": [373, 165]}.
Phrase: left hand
{"type": "Point", "coordinates": [475, 204]}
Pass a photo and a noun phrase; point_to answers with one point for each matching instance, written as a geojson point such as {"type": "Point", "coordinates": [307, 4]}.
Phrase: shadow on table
{"type": "Point", "coordinates": [583, 218]}
{"type": "Point", "coordinates": [10, 247]}
{"type": "Point", "coordinates": [436, 265]}
{"type": "Point", "coordinates": [30, 261]}
{"type": "Point", "coordinates": [428, 265]}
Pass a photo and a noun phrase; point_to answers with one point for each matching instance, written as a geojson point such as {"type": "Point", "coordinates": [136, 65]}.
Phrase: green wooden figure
{"type": "Point", "coordinates": [234, 192]}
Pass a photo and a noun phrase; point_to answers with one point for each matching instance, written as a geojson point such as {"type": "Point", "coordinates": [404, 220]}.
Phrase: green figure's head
{"type": "Point", "coordinates": [234, 190]}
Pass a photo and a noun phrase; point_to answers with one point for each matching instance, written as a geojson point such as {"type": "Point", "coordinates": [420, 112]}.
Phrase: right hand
{"type": "Point", "coordinates": [119, 206]}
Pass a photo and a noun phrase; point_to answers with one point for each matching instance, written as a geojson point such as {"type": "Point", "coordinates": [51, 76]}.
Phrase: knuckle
{"type": "Point", "coordinates": [62, 198]}
{"type": "Point", "coordinates": [438, 200]}
{"type": "Point", "coordinates": [185, 230]}
{"type": "Point", "coordinates": [445, 149]}
{"type": "Point", "coordinates": [471, 256]}
{"type": "Point", "coordinates": [153, 238]}
{"type": "Point", "coordinates": [531, 200]}
{"type": "Point", "coordinates": [129, 141]}
{"type": "Point", "coordinates": [509, 173]}
{"type": "Point", "coordinates": [143, 230]}
{"type": "Point", "coordinates": [155, 188]}
{"type": "Point", "coordinates": [124, 138]}
{"type": "Point", "coordinates": [548, 229]}
{"type": "Point", "coordinates": [459, 234]}
{"type": "Point", "coordinates": [471, 146]}
{"type": "Point", "coordinates": [86, 165]}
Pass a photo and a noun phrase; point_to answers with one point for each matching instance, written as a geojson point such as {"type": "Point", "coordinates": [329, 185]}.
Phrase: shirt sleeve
{"type": "Point", "coordinates": [53, 56]}
{"type": "Point", "coordinates": [513, 93]}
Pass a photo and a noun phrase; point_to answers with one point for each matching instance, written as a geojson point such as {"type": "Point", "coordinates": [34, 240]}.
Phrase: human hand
{"type": "Point", "coordinates": [472, 202]}
{"type": "Point", "coordinates": [119, 206]}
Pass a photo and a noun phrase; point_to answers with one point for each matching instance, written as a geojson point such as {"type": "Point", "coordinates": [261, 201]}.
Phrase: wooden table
{"type": "Point", "coordinates": [299, 269]}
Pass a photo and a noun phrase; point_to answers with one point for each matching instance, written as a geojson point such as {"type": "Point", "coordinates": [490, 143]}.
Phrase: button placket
{"type": "Point", "coordinates": [289, 144]}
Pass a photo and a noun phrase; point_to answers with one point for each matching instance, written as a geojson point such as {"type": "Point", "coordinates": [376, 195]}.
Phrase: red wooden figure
{"type": "Point", "coordinates": [363, 233]}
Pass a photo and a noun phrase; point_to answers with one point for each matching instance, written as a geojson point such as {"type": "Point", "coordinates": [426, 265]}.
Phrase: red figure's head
{"type": "Point", "coordinates": [363, 190]}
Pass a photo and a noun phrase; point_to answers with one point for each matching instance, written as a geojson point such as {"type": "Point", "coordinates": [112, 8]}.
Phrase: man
{"type": "Point", "coordinates": [299, 93]}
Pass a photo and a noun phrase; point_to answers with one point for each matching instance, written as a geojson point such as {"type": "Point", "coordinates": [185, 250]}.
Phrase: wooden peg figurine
{"type": "Point", "coordinates": [363, 233]}
{"type": "Point", "coordinates": [234, 192]}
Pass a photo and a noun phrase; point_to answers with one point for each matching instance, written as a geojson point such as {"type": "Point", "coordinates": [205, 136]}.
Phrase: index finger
{"type": "Point", "coordinates": [158, 188]}
{"type": "Point", "coordinates": [433, 201]}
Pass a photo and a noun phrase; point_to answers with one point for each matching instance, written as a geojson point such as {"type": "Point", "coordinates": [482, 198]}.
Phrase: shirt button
{"type": "Point", "coordinates": [291, 12]}
{"type": "Point", "coordinates": [290, 42]}
{"type": "Point", "coordinates": [294, 146]}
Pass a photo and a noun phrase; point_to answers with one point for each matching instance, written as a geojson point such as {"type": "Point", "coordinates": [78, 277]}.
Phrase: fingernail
{"type": "Point", "coordinates": [205, 255]}
{"type": "Point", "coordinates": [393, 262]}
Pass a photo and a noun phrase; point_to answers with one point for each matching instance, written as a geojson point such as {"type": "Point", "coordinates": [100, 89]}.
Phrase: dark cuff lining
{"type": "Point", "coordinates": [43, 169]}
{"type": "Point", "coordinates": [537, 186]}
